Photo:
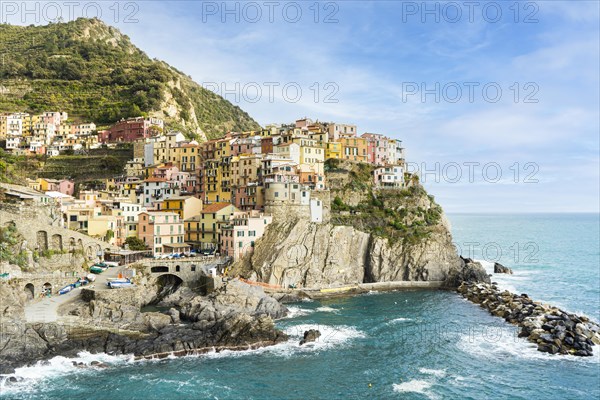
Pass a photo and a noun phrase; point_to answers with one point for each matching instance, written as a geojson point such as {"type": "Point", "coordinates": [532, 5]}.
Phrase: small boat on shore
{"type": "Point", "coordinates": [111, 263]}
{"type": "Point", "coordinates": [97, 270]}
{"type": "Point", "coordinates": [119, 284]}
{"type": "Point", "coordinates": [66, 289]}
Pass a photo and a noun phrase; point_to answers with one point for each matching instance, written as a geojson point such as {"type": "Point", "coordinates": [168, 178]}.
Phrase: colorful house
{"type": "Point", "coordinates": [162, 232]}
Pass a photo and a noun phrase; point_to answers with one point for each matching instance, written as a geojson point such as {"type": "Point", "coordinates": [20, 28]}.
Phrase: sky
{"type": "Point", "coordinates": [497, 103]}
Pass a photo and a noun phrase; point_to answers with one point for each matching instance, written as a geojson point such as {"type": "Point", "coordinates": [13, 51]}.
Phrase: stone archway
{"type": "Point", "coordinates": [90, 251]}
{"type": "Point", "coordinates": [42, 240]}
{"type": "Point", "coordinates": [167, 284]}
{"type": "Point", "coordinates": [47, 287]}
{"type": "Point", "coordinates": [30, 291]}
{"type": "Point", "coordinates": [57, 243]}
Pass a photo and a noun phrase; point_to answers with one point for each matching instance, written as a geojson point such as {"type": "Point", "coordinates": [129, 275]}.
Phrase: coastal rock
{"type": "Point", "coordinates": [501, 269]}
{"type": "Point", "coordinates": [295, 251]}
{"type": "Point", "coordinates": [310, 336]}
{"type": "Point", "coordinates": [237, 317]}
{"type": "Point", "coordinates": [469, 271]}
{"type": "Point", "coordinates": [553, 330]}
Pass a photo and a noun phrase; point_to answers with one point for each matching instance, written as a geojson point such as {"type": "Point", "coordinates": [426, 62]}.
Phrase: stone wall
{"type": "Point", "coordinates": [40, 227]}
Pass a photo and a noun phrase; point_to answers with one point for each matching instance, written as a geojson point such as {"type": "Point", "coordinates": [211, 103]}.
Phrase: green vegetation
{"type": "Point", "coordinates": [47, 253]}
{"type": "Point", "coordinates": [407, 215]}
{"type": "Point", "coordinates": [95, 73]}
{"type": "Point", "coordinates": [135, 243]}
{"type": "Point", "coordinates": [14, 169]}
{"type": "Point", "coordinates": [10, 246]}
{"type": "Point", "coordinates": [98, 164]}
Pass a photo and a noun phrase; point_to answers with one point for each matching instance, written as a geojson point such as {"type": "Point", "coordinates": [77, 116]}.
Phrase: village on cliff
{"type": "Point", "coordinates": [178, 196]}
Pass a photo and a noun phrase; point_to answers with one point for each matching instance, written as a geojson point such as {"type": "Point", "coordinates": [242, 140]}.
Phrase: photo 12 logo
{"type": "Point", "coordinates": [474, 171]}
{"type": "Point", "coordinates": [453, 12]}
{"type": "Point", "coordinates": [253, 12]}
{"type": "Point", "coordinates": [44, 12]}
{"type": "Point", "coordinates": [471, 92]}
{"type": "Point", "coordinates": [289, 92]}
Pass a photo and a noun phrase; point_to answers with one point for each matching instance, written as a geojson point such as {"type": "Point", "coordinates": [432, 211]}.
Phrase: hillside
{"type": "Point", "coordinates": [95, 73]}
{"type": "Point", "coordinates": [96, 165]}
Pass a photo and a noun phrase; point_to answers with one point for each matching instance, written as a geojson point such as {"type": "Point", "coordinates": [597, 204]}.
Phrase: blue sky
{"type": "Point", "coordinates": [377, 56]}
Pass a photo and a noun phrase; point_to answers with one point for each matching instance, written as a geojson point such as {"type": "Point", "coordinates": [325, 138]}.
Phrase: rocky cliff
{"type": "Point", "coordinates": [235, 317]}
{"type": "Point", "coordinates": [370, 235]}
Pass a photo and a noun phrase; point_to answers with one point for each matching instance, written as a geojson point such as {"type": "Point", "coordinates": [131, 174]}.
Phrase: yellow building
{"type": "Point", "coordinates": [185, 206]}
{"type": "Point", "coordinates": [3, 126]}
{"type": "Point", "coordinates": [107, 227]}
{"type": "Point", "coordinates": [34, 184]}
{"type": "Point", "coordinates": [223, 156]}
{"type": "Point", "coordinates": [203, 231]}
{"type": "Point", "coordinates": [244, 169]}
{"type": "Point", "coordinates": [187, 157]}
{"type": "Point", "coordinates": [333, 150]}
{"type": "Point", "coordinates": [354, 148]}
{"type": "Point", "coordinates": [212, 181]}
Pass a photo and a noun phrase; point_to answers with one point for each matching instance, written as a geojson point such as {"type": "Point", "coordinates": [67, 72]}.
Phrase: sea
{"type": "Point", "coordinates": [396, 345]}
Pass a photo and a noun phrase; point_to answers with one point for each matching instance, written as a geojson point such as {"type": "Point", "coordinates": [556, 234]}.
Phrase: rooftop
{"type": "Point", "coordinates": [211, 208]}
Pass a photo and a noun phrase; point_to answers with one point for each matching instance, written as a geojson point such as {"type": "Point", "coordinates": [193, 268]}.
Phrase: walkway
{"type": "Point", "coordinates": [46, 310]}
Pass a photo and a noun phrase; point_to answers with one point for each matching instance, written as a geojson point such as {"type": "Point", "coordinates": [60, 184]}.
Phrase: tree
{"type": "Point", "coordinates": [135, 243]}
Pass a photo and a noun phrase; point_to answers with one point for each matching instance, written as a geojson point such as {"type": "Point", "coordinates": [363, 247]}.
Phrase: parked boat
{"type": "Point", "coordinates": [119, 279]}
{"type": "Point", "coordinates": [91, 277]}
{"type": "Point", "coordinates": [96, 270]}
{"type": "Point", "coordinates": [66, 289]}
{"type": "Point", "coordinates": [116, 285]}
{"type": "Point", "coordinates": [111, 263]}
{"type": "Point", "coordinates": [101, 265]}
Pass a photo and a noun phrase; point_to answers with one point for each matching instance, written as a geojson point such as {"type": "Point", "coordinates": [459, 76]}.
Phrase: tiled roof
{"type": "Point", "coordinates": [214, 207]}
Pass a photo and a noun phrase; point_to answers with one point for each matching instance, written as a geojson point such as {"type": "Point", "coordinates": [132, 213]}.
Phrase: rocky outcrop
{"type": "Point", "coordinates": [299, 252]}
{"type": "Point", "coordinates": [501, 269]}
{"type": "Point", "coordinates": [310, 335]}
{"type": "Point", "coordinates": [469, 271]}
{"type": "Point", "coordinates": [553, 330]}
{"type": "Point", "coordinates": [236, 316]}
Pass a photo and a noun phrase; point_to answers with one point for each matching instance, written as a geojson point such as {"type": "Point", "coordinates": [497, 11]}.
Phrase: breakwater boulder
{"type": "Point", "coordinates": [501, 269]}
{"type": "Point", "coordinates": [468, 271]}
{"type": "Point", "coordinates": [310, 336]}
{"type": "Point", "coordinates": [553, 330]}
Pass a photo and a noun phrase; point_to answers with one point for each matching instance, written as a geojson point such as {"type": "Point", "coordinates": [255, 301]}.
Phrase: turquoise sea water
{"type": "Point", "coordinates": [405, 345]}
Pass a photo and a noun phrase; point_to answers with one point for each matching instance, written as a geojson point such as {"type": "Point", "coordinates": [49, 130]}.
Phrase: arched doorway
{"type": "Point", "coordinates": [30, 291]}
{"type": "Point", "coordinates": [42, 240]}
{"type": "Point", "coordinates": [57, 242]}
{"type": "Point", "coordinates": [47, 288]}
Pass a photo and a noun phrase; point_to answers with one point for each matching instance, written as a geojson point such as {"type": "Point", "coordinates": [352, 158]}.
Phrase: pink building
{"type": "Point", "coordinates": [66, 186]}
{"type": "Point", "coordinates": [162, 232]}
{"type": "Point", "coordinates": [378, 148]}
{"type": "Point", "coordinates": [166, 172]}
{"type": "Point", "coordinates": [131, 129]}
{"type": "Point", "coordinates": [238, 237]}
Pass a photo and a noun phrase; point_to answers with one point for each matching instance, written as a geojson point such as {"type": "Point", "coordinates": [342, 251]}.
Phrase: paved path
{"type": "Point", "coordinates": [46, 309]}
